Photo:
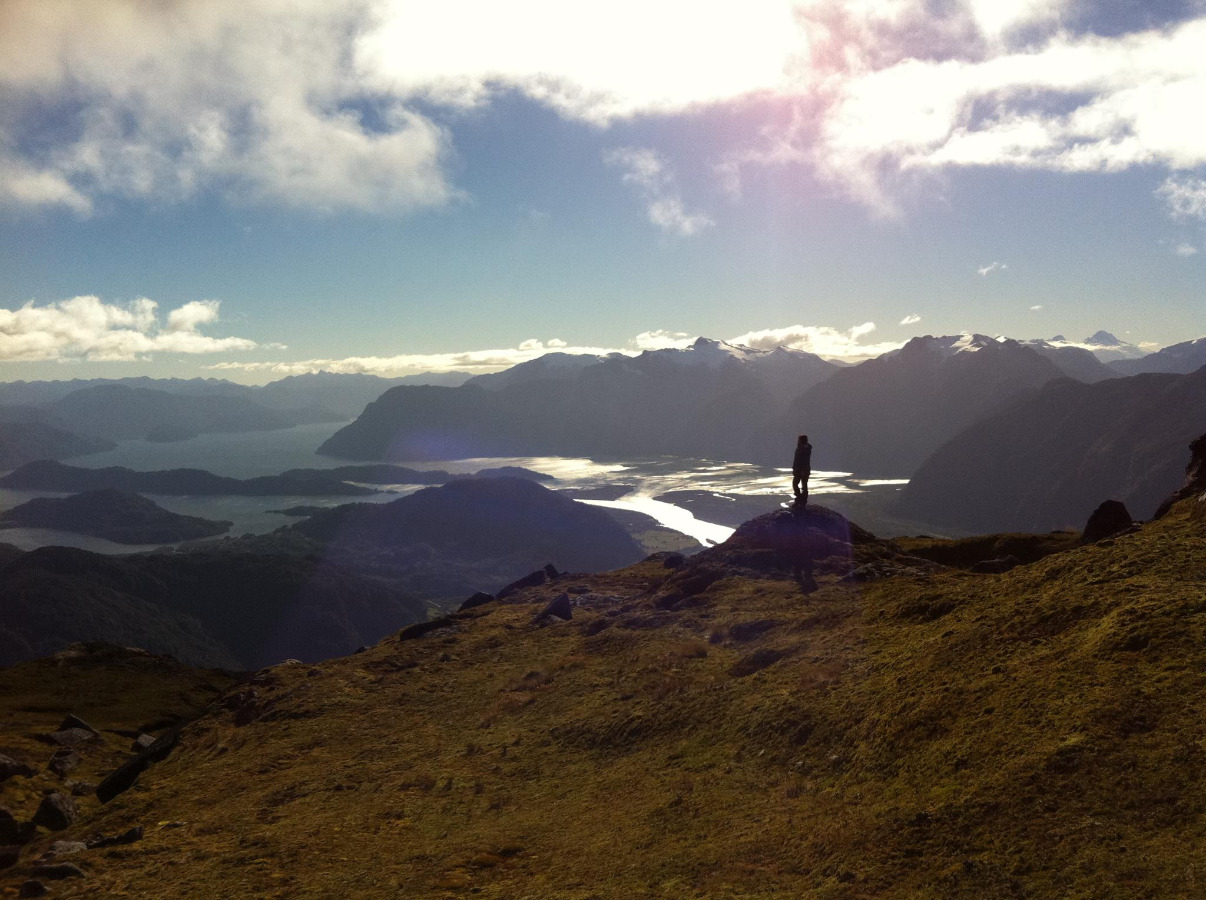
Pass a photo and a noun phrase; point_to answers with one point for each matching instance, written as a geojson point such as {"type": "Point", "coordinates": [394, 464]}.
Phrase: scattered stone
{"type": "Point", "coordinates": [747, 631]}
{"type": "Point", "coordinates": [68, 737]}
{"type": "Point", "coordinates": [673, 560]}
{"type": "Point", "coordinates": [74, 721]}
{"type": "Point", "coordinates": [59, 871]}
{"type": "Point", "coordinates": [80, 788]}
{"type": "Point", "coordinates": [63, 762]}
{"type": "Point", "coordinates": [56, 812]}
{"type": "Point", "coordinates": [421, 628]}
{"type": "Point", "coordinates": [126, 837]}
{"type": "Point", "coordinates": [559, 607]}
{"type": "Point", "coordinates": [481, 598]}
{"type": "Point", "coordinates": [996, 566]}
{"type": "Point", "coordinates": [9, 768]}
{"type": "Point", "coordinates": [9, 857]}
{"type": "Point", "coordinates": [12, 832]}
{"type": "Point", "coordinates": [1107, 520]}
{"type": "Point", "coordinates": [755, 662]}
{"type": "Point", "coordinates": [123, 778]}
{"type": "Point", "coordinates": [142, 742]}
{"type": "Point", "coordinates": [533, 579]}
{"type": "Point", "coordinates": [66, 848]}
{"type": "Point", "coordinates": [33, 888]}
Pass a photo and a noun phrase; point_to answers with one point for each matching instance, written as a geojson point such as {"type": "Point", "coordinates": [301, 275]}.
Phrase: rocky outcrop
{"type": "Point", "coordinates": [1195, 477]}
{"type": "Point", "coordinates": [1106, 521]}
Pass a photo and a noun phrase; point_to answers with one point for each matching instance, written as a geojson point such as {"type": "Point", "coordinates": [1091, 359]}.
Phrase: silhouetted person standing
{"type": "Point", "coordinates": [801, 469]}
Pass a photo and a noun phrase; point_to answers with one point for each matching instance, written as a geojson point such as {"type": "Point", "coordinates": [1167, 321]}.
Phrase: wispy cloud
{"type": "Point", "coordinates": [1036, 307]}
{"type": "Point", "coordinates": [654, 180]}
{"type": "Point", "coordinates": [1184, 196]}
{"type": "Point", "coordinates": [994, 266]}
{"type": "Point", "coordinates": [86, 328]}
{"type": "Point", "coordinates": [1185, 250]}
{"type": "Point", "coordinates": [911, 319]}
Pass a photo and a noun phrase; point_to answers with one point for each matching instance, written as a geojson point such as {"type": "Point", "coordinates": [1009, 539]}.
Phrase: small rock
{"type": "Point", "coordinates": [551, 572]}
{"type": "Point", "coordinates": [68, 737]}
{"type": "Point", "coordinates": [996, 566]}
{"type": "Point", "coordinates": [533, 579]}
{"type": "Point", "coordinates": [59, 871]}
{"type": "Point", "coordinates": [74, 721]}
{"type": "Point", "coordinates": [142, 742]}
{"type": "Point", "coordinates": [9, 857]}
{"type": "Point", "coordinates": [481, 598]}
{"type": "Point", "coordinates": [66, 848]}
{"type": "Point", "coordinates": [673, 560]}
{"type": "Point", "coordinates": [126, 837]}
{"type": "Point", "coordinates": [9, 767]}
{"type": "Point", "coordinates": [33, 888]}
{"type": "Point", "coordinates": [80, 788]}
{"type": "Point", "coordinates": [755, 662]}
{"type": "Point", "coordinates": [560, 607]}
{"type": "Point", "coordinates": [12, 832]}
{"type": "Point", "coordinates": [56, 812]}
{"type": "Point", "coordinates": [63, 762]}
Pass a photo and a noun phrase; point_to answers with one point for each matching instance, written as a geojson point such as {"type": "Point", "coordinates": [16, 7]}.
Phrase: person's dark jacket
{"type": "Point", "coordinates": [801, 464]}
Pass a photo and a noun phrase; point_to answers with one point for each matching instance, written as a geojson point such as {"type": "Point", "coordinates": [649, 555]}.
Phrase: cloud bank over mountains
{"type": "Point", "coordinates": [87, 329]}
{"type": "Point", "coordinates": [352, 106]}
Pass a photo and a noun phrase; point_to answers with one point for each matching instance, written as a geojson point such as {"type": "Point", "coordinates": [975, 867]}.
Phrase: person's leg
{"type": "Point", "coordinates": [795, 485]}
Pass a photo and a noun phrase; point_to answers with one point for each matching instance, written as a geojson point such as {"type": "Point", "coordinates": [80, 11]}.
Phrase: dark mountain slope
{"type": "Point", "coordinates": [886, 416]}
{"type": "Point", "coordinates": [479, 519]}
{"type": "Point", "coordinates": [119, 412]}
{"type": "Point", "coordinates": [1052, 457]}
{"type": "Point", "coordinates": [120, 516]}
{"type": "Point", "coordinates": [211, 606]}
{"type": "Point", "coordinates": [23, 442]}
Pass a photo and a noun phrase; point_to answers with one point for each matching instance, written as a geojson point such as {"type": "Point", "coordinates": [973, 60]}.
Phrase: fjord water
{"type": "Point", "coordinates": [251, 454]}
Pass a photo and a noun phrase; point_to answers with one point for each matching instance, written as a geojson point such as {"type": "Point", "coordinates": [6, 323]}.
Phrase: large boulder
{"type": "Point", "coordinates": [1106, 521]}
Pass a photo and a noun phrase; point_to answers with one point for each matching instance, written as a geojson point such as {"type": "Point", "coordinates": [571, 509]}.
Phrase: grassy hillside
{"type": "Point", "coordinates": [713, 731]}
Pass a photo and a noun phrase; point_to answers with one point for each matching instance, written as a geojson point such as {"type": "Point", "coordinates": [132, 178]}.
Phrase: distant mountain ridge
{"type": "Point", "coordinates": [885, 416]}
{"type": "Point", "coordinates": [710, 399]}
{"type": "Point", "coordinates": [1182, 358]}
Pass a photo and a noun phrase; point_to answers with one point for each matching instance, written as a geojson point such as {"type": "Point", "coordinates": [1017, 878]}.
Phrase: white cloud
{"type": "Point", "coordinates": [1185, 250]}
{"type": "Point", "coordinates": [911, 319]}
{"type": "Point", "coordinates": [654, 180]}
{"type": "Point", "coordinates": [160, 101]}
{"type": "Point", "coordinates": [86, 328]}
{"type": "Point", "coordinates": [307, 103]}
{"type": "Point", "coordinates": [1184, 196]}
{"type": "Point", "coordinates": [1036, 308]}
{"type": "Point", "coordinates": [819, 339]}
{"type": "Point", "coordinates": [662, 340]}
{"type": "Point", "coordinates": [994, 266]}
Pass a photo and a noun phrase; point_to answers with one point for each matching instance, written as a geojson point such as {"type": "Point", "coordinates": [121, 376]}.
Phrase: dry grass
{"type": "Point", "coordinates": [1036, 734]}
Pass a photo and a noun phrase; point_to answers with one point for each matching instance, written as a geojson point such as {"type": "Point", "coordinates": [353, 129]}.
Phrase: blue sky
{"type": "Point", "coordinates": [388, 187]}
